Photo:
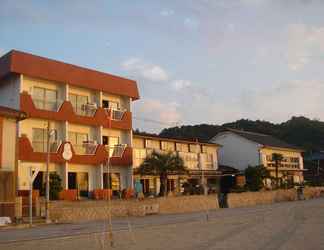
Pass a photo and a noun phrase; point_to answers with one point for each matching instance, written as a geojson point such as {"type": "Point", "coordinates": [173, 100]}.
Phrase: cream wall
{"type": "Point", "coordinates": [9, 92]}
{"type": "Point", "coordinates": [8, 144]}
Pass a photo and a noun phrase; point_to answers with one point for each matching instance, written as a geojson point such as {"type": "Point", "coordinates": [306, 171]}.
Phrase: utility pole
{"type": "Point", "coordinates": [47, 218]}
{"type": "Point", "coordinates": [202, 171]}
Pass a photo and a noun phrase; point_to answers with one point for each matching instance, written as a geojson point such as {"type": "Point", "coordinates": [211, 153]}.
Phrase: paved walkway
{"type": "Point", "coordinates": [289, 225]}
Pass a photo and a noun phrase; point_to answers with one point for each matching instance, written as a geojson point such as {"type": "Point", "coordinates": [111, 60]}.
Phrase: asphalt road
{"type": "Point", "coordinates": [289, 225]}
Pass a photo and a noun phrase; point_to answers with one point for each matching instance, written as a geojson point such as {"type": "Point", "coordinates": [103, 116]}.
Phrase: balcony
{"type": "Point", "coordinates": [88, 109]}
{"type": "Point", "coordinates": [87, 148]}
{"type": "Point", "coordinates": [85, 154]}
{"type": "Point", "coordinates": [47, 105]}
{"type": "Point", "coordinates": [87, 114]}
{"type": "Point", "coordinates": [41, 146]}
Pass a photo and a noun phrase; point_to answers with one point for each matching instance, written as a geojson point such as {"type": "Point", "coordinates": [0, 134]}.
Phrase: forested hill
{"type": "Point", "coordinates": [298, 131]}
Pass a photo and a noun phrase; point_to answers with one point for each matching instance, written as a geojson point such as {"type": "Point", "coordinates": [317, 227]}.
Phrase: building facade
{"type": "Point", "coordinates": [241, 149]}
{"type": "Point", "coordinates": [9, 119]}
{"type": "Point", "coordinates": [200, 159]}
{"type": "Point", "coordinates": [85, 111]}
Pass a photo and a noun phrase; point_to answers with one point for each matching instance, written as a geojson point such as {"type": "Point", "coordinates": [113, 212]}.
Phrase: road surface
{"type": "Point", "coordinates": [288, 225]}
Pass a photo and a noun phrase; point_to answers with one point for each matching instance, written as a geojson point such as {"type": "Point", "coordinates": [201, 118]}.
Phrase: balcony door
{"type": "Point", "coordinates": [110, 142]}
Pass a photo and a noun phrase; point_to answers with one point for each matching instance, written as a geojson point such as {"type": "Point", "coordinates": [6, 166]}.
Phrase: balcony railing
{"type": "Point", "coordinates": [64, 111]}
{"type": "Point", "coordinates": [41, 146]}
{"type": "Point", "coordinates": [87, 148]}
{"type": "Point", "coordinates": [91, 154]}
{"type": "Point", "coordinates": [88, 109]}
{"type": "Point", "coordinates": [46, 104]}
{"type": "Point", "coordinates": [116, 150]}
{"type": "Point", "coordinates": [116, 114]}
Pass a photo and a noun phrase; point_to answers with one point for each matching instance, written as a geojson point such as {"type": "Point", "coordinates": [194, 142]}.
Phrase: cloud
{"type": "Point", "coordinates": [153, 113]}
{"type": "Point", "coordinates": [283, 100]}
{"type": "Point", "coordinates": [180, 84]}
{"type": "Point", "coordinates": [146, 70]}
{"type": "Point", "coordinates": [305, 44]}
{"type": "Point", "coordinates": [166, 12]}
{"type": "Point", "coordinates": [2, 52]}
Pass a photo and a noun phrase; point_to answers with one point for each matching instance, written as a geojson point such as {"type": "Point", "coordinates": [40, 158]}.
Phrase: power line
{"type": "Point", "coordinates": [156, 121]}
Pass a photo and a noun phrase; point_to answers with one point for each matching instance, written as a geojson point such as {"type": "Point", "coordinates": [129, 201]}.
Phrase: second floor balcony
{"type": "Point", "coordinates": [87, 153]}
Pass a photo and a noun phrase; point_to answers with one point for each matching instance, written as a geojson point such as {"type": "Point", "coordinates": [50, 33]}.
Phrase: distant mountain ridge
{"type": "Point", "coordinates": [298, 131]}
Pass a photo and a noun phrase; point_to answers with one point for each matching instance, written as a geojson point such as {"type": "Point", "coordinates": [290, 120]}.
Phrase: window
{"type": "Point", "coordinates": [79, 104]}
{"type": "Point", "coordinates": [45, 98]}
{"type": "Point", "coordinates": [209, 158]}
{"type": "Point", "coordinates": [39, 140]}
{"type": "Point", "coordinates": [182, 147]}
{"type": "Point", "coordinates": [140, 154]}
{"type": "Point", "coordinates": [168, 146]}
{"type": "Point", "coordinates": [77, 140]}
{"type": "Point", "coordinates": [153, 144]}
{"type": "Point", "coordinates": [194, 148]}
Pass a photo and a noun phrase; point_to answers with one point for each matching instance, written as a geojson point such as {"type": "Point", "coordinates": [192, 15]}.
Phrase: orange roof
{"type": "Point", "coordinates": [48, 69]}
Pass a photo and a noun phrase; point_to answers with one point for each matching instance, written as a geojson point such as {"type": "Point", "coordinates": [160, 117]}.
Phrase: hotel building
{"type": "Point", "coordinates": [199, 158]}
{"type": "Point", "coordinates": [80, 109]}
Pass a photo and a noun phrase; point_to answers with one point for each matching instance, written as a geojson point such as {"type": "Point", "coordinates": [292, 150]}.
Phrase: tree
{"type": "Point", "coordinates": [255, 176]}
{"type": "Point", "coordinates": [55, 186]}
{"type": "Point", "coordinates": [277, 158]}
{"type": "Point", "coordinates": [162, 165]}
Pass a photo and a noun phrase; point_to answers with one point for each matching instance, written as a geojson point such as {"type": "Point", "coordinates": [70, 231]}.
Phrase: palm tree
{"type": "Point", "coordinates": [277, 158]}
{"type": "Point", "coordinates": [162, 164]}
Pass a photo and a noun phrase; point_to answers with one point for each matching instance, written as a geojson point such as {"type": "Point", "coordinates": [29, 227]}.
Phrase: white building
{"type": "Point", "coordinates": [241, 149]}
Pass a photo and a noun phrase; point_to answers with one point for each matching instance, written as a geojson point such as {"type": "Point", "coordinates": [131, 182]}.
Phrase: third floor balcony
{"type": "Point", "coordinates": [79, 112]}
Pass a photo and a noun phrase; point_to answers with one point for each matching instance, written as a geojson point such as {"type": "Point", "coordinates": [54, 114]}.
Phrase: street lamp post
{"type": "Point", "coordinates": [49, 134]}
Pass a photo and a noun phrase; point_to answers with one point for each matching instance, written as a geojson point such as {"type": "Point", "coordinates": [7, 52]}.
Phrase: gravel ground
{"type": "Point", "coordinates": [289, 225]}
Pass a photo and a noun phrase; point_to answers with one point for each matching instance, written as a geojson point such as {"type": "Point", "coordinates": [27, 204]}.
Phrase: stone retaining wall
{"type": "Point", "coordinates": [260, 198]}
{"type": "Point", "coordinates": [268, 197]}
{"type": "Point", "coordinates": [69, 211]}
{"type": "Point", "coordinates": [313, 192]}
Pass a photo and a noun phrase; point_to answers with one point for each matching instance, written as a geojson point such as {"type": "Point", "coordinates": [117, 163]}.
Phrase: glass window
{"type": "Point", "coordinates": [77, 140]}
{"type": "Point", "coordinates": [39, 140]}
{"type": "Point", "coordinates": [78, 102]}
{"type": "Point", "coordinates": [140, 154]}
{"type": "Point", "coordinates": [167, 146]}
{"type": "Point", "coordinates": [45, 98]}
{"type": "Point", "coordinates": [154, 144]}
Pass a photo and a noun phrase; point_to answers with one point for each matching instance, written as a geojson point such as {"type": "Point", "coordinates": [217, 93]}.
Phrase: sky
{"type": "Point", "coordinates": [195, 61]}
